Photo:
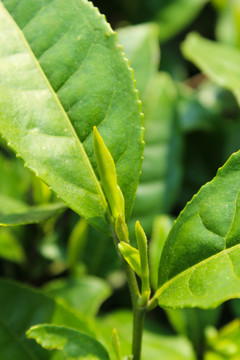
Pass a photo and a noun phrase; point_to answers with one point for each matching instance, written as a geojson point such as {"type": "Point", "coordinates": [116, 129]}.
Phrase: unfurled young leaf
{"type": "Point", "coordinates": [199, 265]}
{"type": "Point", "coordinates": [74, 344]}
{"type": "Point", "coordinates": [143, 253]}
{"type": "Point", "coordinates": [108, 176]}
{"type": "Point", "coordinates": [218, 61]}
{"type": "Point", "coordinates": [57, 82]}
{"type": "Point", "coordinates": [131, 255]}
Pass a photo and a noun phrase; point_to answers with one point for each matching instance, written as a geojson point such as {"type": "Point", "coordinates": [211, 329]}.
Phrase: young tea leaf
{"type": "Point", "coordinates": [200, 260]}
{"type": "Point", "coordinates": [131, 255]}
{"type": "Point", "coordinates": [74, 344]}
{"type": "Point", "coordinates": [58, 82]}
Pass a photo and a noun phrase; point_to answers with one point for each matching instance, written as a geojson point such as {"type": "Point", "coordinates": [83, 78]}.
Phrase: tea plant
{"type": "Point", "coordinates": [70, 109]}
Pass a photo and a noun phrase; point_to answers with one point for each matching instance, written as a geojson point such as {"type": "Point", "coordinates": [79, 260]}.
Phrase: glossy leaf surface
{"type": "Point", "coordinates": [14, 212]}
{"type": "Point", "coordinates": [58, 82]}
{"type": "Point", "coordinates": [35, 308]}
{"type": "Point", "coordinates": [200, 260]}
{"type": "Point", "coordinates": [218, 61]}
{"type": "Point", "coordinates": [74, 344]}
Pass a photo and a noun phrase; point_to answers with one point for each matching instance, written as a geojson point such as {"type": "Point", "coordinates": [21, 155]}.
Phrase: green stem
{"type": "Point", "coordinates": [138, 322]}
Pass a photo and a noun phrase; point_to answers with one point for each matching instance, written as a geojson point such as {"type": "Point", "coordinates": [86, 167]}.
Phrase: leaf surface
{"type": "Point", "coordinates": [218, 61]}
{"type": "Point", "coordinates": [64, 72]}
{"type": "Point", "coordinates": [74, 344]}
{"type": "Point", "coordinates": [14, 212]}
{"type": "Point", "coordinates": [22, 307]}
{"type": "Point", "coordinates": [199, 266]}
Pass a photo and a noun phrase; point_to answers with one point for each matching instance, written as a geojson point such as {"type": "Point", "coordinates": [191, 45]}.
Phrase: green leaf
{"type": "Point", "coordinates": [10, 248]}
{"type": "Point", "coordinates": [85, 295]}
{"type": "Point", "coordinates": [131, 255]}
{"type": "Point", "coordinates": [218, 61]}
{"type": "Point", "coordinates": [108, 176]}
{"type": "Point", "coordinates": [14, 212]}
{"type": "Point", "coordinates": [175, 15]}
{"type": "Point", "coordinates": [161, 171]}
{"type": "Point", "coordinates": [22, 307]}
{"type": "Point", "coordinates": [200, 260]}
{"type": "Point", "coordinates": [157, 343]}
{"type": "Point", "coordinates": [141, 45]}
{"type": "Point", "coordinates": [161, 226]}
{"type": "Point", "coordinates": [74, 344]}
{"type": "Point", "coordinates": [59, 81]}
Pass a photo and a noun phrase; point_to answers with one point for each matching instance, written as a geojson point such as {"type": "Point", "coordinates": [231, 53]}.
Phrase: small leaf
{"type": "Point", "coordinates": [131, 255]}
{"type": "Point", "coordinates": [199, 266]}
{"type": "Point", "coordinates": [143, 253]}
{"type": "Point", "coordinates": [14, 212]}
{"type": "Point", "coordinates": [116, 344]}
{"type": "Point", "coordinates": [108, 176]}
{"type": "Point", "coordinates": [161, 227]}
{"type": "Point", "coordinates": [218, 61]}
{"type": "Point", "coordinates": [74, 344]}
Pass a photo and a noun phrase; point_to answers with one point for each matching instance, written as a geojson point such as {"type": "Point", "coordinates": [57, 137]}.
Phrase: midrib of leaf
{"type": "Point", "coordinates": [18, 341]}
{"type": "Point", "coordinates": [82, 150]}
{"type": "Point", "coordinates": [195, 266]}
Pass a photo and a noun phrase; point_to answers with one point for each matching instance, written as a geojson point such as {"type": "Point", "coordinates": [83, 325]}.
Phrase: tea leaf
{"type": "Point", "coordinates": [58, 82]}
{"type": "Point", "coordinates": [200, 260]}
{"type": "Point", "coordinates": [74, 344]}
{"type": "Point", "coordinates": [131, 255]}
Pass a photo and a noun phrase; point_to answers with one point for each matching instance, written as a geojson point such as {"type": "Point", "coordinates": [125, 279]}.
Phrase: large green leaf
{"type": "Point", "coordinates": [64, 72]}
{"type": "Point", "coordinates": [157, 344]}
{"type": "Point", "coordinates": [161, 171]}
{"type": "Point", "coordinates": [21, 308]}
{"type": "Point", "coordinates": [74, 344]}
{"type": "Point", "coordinates": [218, 61]}
{"type": "Point", "coordinates": [14, 212]}
{"type": "Point", "coordinates": [200, 261]}
{"type": "Point", "coordinates": [140, 43]}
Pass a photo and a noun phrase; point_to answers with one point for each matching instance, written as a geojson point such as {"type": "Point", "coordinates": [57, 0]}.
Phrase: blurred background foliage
{"type": "Point", "coordinates": [192, 126]}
